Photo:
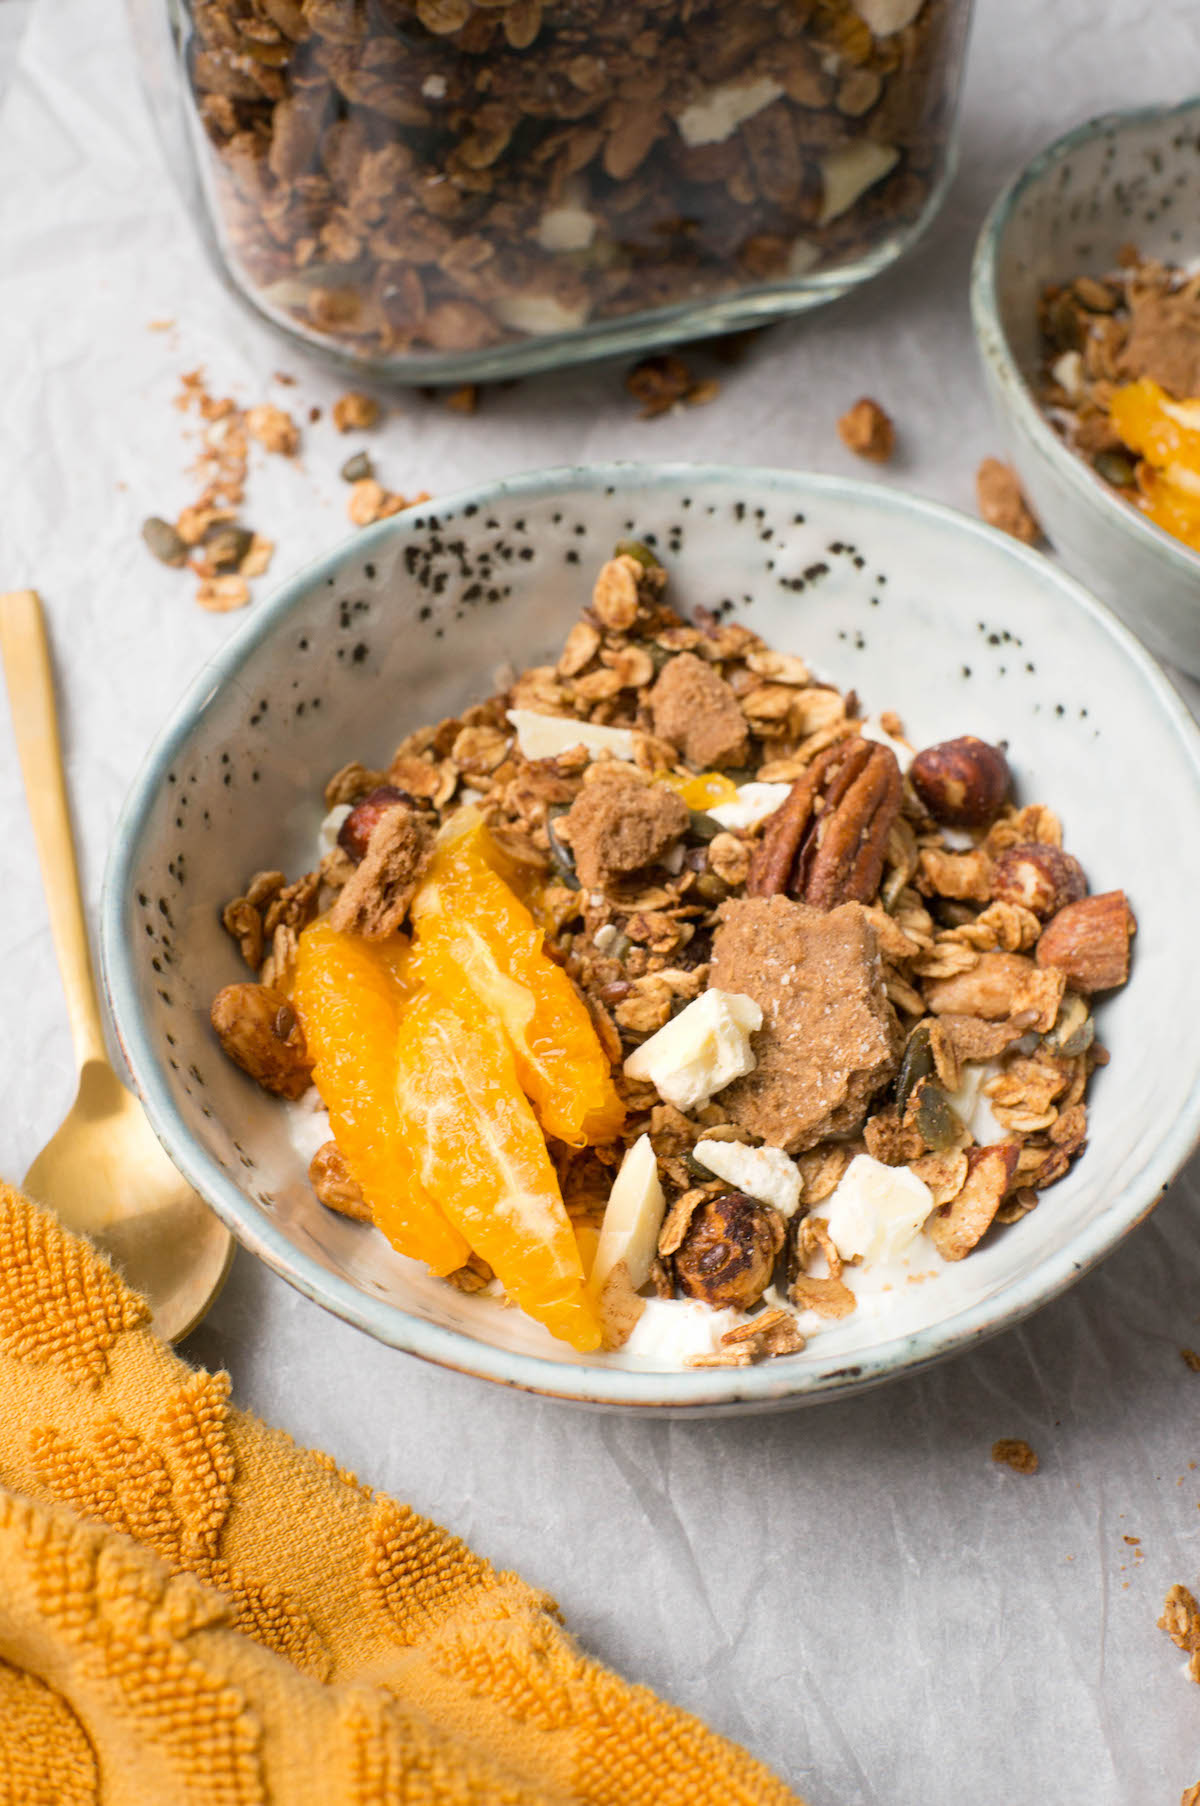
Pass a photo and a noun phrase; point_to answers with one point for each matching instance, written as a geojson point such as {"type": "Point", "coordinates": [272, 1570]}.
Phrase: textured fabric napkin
{"type": "Point", "coordinates": [194, 1612]}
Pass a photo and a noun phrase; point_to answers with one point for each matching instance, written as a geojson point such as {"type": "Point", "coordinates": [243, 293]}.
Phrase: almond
{"type": "Point", "coordinates": [1089, 942]}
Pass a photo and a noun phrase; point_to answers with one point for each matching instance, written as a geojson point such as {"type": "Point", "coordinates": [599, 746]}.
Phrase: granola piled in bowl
{"type": "Point", "coordinates": [668, 996]}
{"type": "Point", "coordinates": [1120, 380]}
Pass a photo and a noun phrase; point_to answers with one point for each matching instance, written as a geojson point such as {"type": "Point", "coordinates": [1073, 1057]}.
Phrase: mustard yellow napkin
{"type": "Point", "coordinates": [194, 1612]}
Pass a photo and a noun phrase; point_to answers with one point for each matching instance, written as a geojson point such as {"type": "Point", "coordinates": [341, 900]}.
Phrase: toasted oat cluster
{"type": "Point", "coordinates": [444, 175]}
{"type": "Point", "coordinates": [845, 989]}
{"type": "Point", "coordinates": [1120, 380]}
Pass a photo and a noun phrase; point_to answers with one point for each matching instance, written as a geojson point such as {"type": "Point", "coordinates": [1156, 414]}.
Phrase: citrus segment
{"type": "Point", "coordinates": [349, 994]}
{"type": "Point", "coordinates": [476, 936]}
{"type": "Point", "coordinates": [1166, 434]}
{"type": "Point", "coordinates": [704, 791]}
{"type": "Point", "coordinates": [480, 1152]}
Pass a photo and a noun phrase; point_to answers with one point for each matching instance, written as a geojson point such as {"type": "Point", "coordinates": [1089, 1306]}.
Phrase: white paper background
{"type": "Point", "coordinates": [854, 1591]}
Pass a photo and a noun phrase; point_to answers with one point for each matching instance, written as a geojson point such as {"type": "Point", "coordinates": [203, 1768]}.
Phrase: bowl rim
{"type": "Point", "coordinates": [771, 1385]}
{"type": "Point", "coordinates": [996, 352]}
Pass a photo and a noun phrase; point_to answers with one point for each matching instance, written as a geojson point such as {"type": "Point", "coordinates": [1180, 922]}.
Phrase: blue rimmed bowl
{"type": "Point", "coordinates": [1131, 177]}
{"type": "Point", "coordinates": [916, 608]}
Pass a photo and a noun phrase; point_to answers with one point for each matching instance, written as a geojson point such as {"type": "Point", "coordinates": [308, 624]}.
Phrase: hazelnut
{"type": "Point", "coordinates": [363, 819]}
{"type": "Point", "coordinates": [259, 1029]}
{"type": "Point", "coordinates": [1041, 878]}
{"type": "Point", "coordinates": [962, 783]}
{"type": "Point", "coordinates": [1089, 941]}
{"type": "Point", "coordinates": [729, 1252]}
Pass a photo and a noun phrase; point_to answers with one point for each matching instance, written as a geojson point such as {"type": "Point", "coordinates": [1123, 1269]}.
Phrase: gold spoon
{"type": "Point", "coordinates": [103, 1173]}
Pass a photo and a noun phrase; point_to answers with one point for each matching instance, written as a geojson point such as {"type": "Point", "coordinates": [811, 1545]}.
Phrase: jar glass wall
{"type": "Point", "coordinates": [451, 189]}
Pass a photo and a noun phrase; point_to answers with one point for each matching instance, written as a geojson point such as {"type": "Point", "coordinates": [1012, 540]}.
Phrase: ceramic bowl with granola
{"type": "Point", "coordinates": [1086, 308]}
{"type": "Point", "coordinates": [633, 936]}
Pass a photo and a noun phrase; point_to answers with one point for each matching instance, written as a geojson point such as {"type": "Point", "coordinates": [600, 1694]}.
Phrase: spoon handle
{"type": "Point", "coordinates": [35, 725]}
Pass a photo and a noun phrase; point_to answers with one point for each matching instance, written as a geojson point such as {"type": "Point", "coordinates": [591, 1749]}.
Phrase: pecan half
{"type": "Point", "coordinates": [826, 844]}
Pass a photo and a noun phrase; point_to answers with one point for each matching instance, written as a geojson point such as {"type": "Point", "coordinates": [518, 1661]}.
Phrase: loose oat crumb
{"type": "Point", "coordinates": [1190, 1358]}
{"type": "Point", "coordinates": [1014, 1452]}
{"type": "Point", "coordinates": [463, 400]}
{"type": "Point", "coordinates": [662, 381]}
{"type": "Point", "coordinates": [355, 412]}
{"type": "Point", "coordinates": [274, 429]}
{"type": "Point", "coordinates": [220, 595]}
{"type": "Point", "coordinates": [370, 501]}
{"type": "Point", "coordinates": [868, 431]}
{"type": "Point", "coordinates": [1002, 504]}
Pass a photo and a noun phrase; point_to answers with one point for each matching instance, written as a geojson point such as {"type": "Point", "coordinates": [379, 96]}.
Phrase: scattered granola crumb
{"type": "Point", "coordinates": [370, 501]}
{"type": "Point", "coordinates": [868, 431]}
{"type": "Point", "coordinates": [355, 412]}
{"type": "Point", "coordinates": [159, 325]}
{"type": "Point", "coordinates": [1014, 1452]}
{"type": "Point", "coordinates": [663, 380]}
{"type": "Point", "coordinates": [1190, 1358]}
{"type": "Point", "coordinates": [274, 429]}
{"type": "Point", "coordinates": [1181, 1621]}
{"type": "Point", "coordinates": [1002, 504]}
{"type": "Point", "coordinates": [464, 400]}
{"type": "Point", "coordinates": [220, 595]}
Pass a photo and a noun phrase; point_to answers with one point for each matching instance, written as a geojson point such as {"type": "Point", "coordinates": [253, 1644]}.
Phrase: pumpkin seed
{"type": "Point", "coordinates": [937, 1121]}
{"type": "Point", "coordinates": [633, 548]}
{"type": "Point", "coordinates": [1116, 468]}
{"type": "Point", "coordinates": [916, 1065]}
{"type": "Point", "coordinates": [357, 469]}
{"type": "Point", "coordinates": [227, 546]}
{"type": "Point", "coordinates": [1073, 1031]}
{"type": "Point", "coordinates": [697, 1168]}
{"type": "Point", "coordinates": [561, 856]}
{"type": "Point", "coordinates": [704, 826]}
{"type": "Point", "coordinates": [165, 543]}
{"type": "Point", "coordinates": [711, 888]}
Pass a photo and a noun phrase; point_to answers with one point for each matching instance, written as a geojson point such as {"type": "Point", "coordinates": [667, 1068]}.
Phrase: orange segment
{"type": "Point", "coordinates": [704, 791]}
{"type": "Point", "coordinates": [476, 937]}
{"type": "Point", "coordinates": [1166, 433]}
{"type": "Point", "coordinates": [481, 1153]}
{"type": "Point", "coordinates": [349, 994]}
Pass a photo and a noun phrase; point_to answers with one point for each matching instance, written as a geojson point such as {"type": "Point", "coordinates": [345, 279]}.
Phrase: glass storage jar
{"type": "Point", "coordinates": [443, 190]}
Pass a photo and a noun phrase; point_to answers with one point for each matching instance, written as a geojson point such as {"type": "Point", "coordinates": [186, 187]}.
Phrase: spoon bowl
{"type": "Point", "coordinates": [104, 1173]}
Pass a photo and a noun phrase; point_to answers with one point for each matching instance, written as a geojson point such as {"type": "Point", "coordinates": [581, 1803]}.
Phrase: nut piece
{"type": "Point", "coordinates": [998, 987]}
{"type": "Point", "coordinates": [868, 431]}
{"type": "Point", "coordinates": [962, 783]}
{"type": "Point", "coordinates": [1040, 878]}
{"type": "Point", "coordinates": [363, 819]}
{"type": "Point", "coordinates": [1089, 942]}
{"type": "Point", "coordinates": [335, 1185]}
{"type": "Point", "coordinates": [729, 1252]}
{"type": "Point", "coordinates": [261, 1033]}
{"type": "Point", "coordinates": [957, 1226]}
{"type": "Point", "coordinates": [826, 844]}
{"type": "Point", "coordinates": [1002, 504]}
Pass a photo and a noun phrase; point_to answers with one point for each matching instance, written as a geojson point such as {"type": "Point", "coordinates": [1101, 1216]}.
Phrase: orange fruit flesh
{"type": "Point", "coordinates": [1166, 435]}
{"type": "Point", "coordinates": [476, 938]}
{"type": "Point", "coordinates": [479, 1149]}
{"type": "Point", "coordinates": [703, 791]}
{"type": "Point", "coordinates": [349, 994]}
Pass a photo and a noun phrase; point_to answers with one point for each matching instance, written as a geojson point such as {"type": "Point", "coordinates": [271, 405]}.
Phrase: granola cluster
{"type": "Point", "coordinates": [916, 954]}
{"type": "Point", "coordinates": [441, 176]}
{"type": "Point", "coordinates": [1137, 323]}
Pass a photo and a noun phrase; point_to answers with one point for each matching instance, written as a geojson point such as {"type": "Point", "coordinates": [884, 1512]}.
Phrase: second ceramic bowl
{"type": "Point", "coordinates": [916, 608]}
{"type": "Point", "coordinates": [1126, 177]}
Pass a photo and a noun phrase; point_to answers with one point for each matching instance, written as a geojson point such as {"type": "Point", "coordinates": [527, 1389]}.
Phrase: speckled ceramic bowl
{"type": "Point", "coordinates": [1126, 177]}
{"type": "Point", "coordinates": [915, 607]}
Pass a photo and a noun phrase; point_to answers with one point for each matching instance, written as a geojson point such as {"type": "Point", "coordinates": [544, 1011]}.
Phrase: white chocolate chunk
{"type": "Point", "coordinates": [763, 1173]}
{"type": "Point", "coordinates": [327, 833]}
{"type": "Point", "coordinates": [701, 1051]}
{"type": "Point", "coordinates": [850, 171]}
{"type": "Point", "coordinates": [540, 314]}
{"type": "Point", "coordinates": [886, 16]}
{"type": "Point", "coordinates": [671, 1331]}
{"type": "Point", "coordinates": [718, 114]}
{"type": "Point", "coordinates": [876, 1210]}
{"type": "Point", "coordinates": [753, 803]}
{"type": "Point", "coordinates": [566, 229]}
{"type": "Point", "coordinates": [545, 736]}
